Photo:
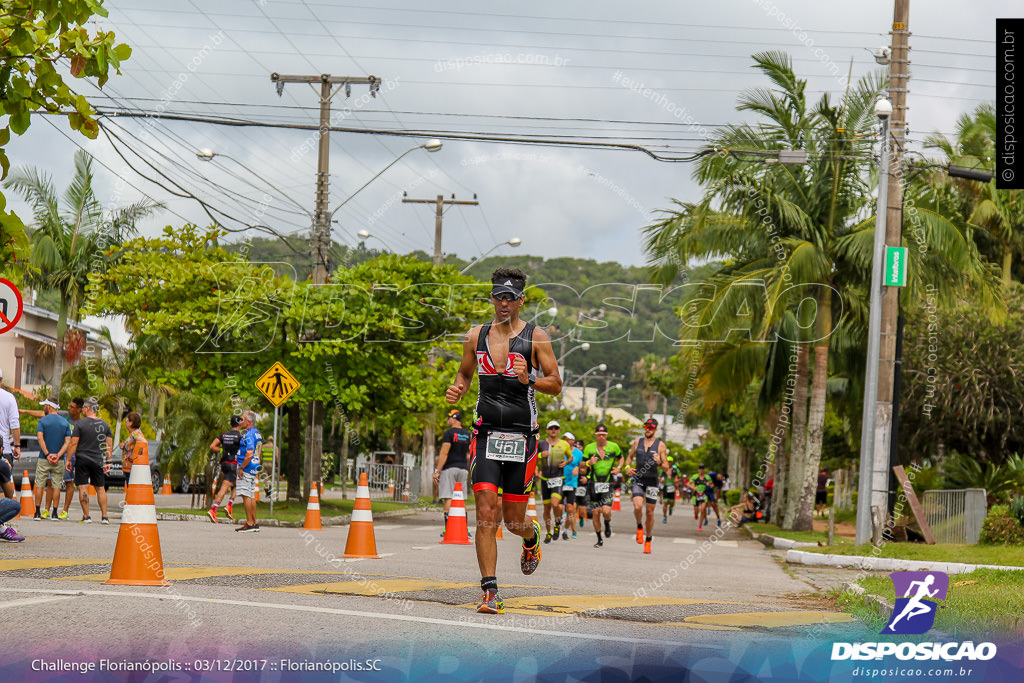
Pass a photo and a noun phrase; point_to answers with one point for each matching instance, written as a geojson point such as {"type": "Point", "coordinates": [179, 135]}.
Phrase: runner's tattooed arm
{"type": "Point", "coordinates": [464, 377]}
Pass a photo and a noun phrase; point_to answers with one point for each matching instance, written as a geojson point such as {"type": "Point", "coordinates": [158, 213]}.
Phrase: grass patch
{"type": "Point", "coordinates": [985, 602]}
{"type": "Point", "coordinates": [804, 536]}
{"type": "Point", "coordinates": [1007, 556]}
{"type": "Point", "coordinates": [294, 511]}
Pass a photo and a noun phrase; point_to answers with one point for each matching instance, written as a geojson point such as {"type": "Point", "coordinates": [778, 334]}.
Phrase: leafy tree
{"type": "Point", "coordinates": [71, 240]}
{"type": "Point", "coordinates": [792, 235]}
{"type": "Point", "coordinates": [36, 35]}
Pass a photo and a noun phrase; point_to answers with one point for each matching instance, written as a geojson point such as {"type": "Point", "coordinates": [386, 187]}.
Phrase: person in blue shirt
{"type": "Point", "coordinates": [570, 480]}
{"type": "Point", "coordinates": [248, 470]}
{"type": "Point", "coordinates": [53, 434]}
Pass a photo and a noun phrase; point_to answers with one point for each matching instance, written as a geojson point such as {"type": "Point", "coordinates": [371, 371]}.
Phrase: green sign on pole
{"type": "Point", "coordinates": [895, 266]}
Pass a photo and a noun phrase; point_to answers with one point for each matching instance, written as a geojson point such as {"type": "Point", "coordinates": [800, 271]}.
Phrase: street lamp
{"type": "Point", "coordinates": [604, 395]}
{"type": "Point", "coordinates": [583, 401]}
{"type": "Point", "coordinates": [872, 492]}
{"type": "Point", "coordinates": [514, 242]}
{"type": "Point", "coordinates": [365, 235]}
{"type": "Point", "coordinates": [207, 154]}
{"type": "Point", "coordinates": [430, 145]}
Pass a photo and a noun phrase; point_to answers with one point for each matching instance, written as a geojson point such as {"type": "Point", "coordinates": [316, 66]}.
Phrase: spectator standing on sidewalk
{"type": "Point", "coordinates": [53, 433]}
{"type": "Point", "coordinates": [452, 461]}
{"type": "Point", "coordinates": [91, 444]}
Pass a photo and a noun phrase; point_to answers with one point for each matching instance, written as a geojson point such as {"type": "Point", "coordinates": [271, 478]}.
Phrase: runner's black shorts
{"type": "Point", "coordinates": [569, 496]}
{"type": "Point", "coordinates": [639, 488]}
{"type": "Point", "coordinates": [821, 497]}
{"type": "Point", "coordinates": [515, 479]}
{"type": "Point", "coordinates": [5, 469]}
{"type": "Point", "coordinates": [89, 472]}
{"type": "Point", "coordinates": [547, 492]}
{"type": "Point", "coordinates": [598, 500]}
{"type": "Point", "coordinates": [229, 470]}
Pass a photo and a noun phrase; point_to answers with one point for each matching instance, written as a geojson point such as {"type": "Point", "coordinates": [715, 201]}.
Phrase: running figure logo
{"type": "Point", "coordinates": [914, 612]}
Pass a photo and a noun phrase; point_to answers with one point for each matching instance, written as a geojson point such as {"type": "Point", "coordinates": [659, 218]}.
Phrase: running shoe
{"type": "Point", "coordinates": [547, 537]}
{"type": "Point", "coordinates": [63, 514]}
{"type": "Point", "coordinates": [104, 521]}
{"type": "Point", "coordinates": [45, 514]}
{"type": "Point", "coordinates": [565, 535]}
{"type": "Point", "coordinates": [491, 603]}
{"type": "Point", "coordinates": [639, 535]}
{"type": "Point", "coordinates": [599, 544]}
{"type": "Point", "coordinates": [647, 547]}
{"type": "Point", "coordinates": [530, 558]}
{"type": "Point", "coordinates": [557, 531]}
{"type": "Point", "coordinates": [719, 522]}
{"type": "Point", "coordinates": [86, 520]}
{"type": "Point", "coordinates": [9, 535]}
{"type": "Point", "coordinates": [581, 523]}
{"type": "Point", "coordinates": [699, 527]}
{"type": "Point", "coordinates": [38, 516]}
{"type": "Point", "coordinates": [574, 533]}
{"type": "Point", "coordinates": [227, 509]}
{"type": "Point", "coordinates": [212, 514]}
{"type": "Point", "coordinates": [664, 520]}
{"type": "Point", "coordinates": [246, 528]}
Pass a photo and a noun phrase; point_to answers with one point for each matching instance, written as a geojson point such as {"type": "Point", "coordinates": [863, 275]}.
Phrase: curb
{"type": "Point", "coordinates": [782, 543]}
{"type": "Point", "coordinates": [883, 564]}
{"type": "Point", "coordinates": [874, 602]}
{"type": "Point", "coordinates": [341, 520]}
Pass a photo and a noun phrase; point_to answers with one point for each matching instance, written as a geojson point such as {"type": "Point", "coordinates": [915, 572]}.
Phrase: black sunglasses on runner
{"type": "Point", "coordinates": [505, 296]}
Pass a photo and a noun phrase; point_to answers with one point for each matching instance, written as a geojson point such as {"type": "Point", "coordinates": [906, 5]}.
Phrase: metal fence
{"type": "Point", "coordinates": [955, 516]}
{"type": "Point", "coordinates": [389, 482]}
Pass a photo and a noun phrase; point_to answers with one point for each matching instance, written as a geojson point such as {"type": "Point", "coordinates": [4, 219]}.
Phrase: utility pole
{"type": "Point", "coordinates": [429, 433]}
{"type": "Point", "coordinates": [899, 74]}
{"type": "Point", "coordinates": [439, 203]}
{"type": "Point", "coordinates": [321, 238]}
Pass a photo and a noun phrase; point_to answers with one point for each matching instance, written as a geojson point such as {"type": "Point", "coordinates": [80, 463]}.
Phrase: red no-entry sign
{"type": "Point", "coordinates": [11, 305]}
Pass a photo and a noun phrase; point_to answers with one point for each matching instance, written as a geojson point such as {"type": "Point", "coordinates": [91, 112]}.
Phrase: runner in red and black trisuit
{"type": "Point", "coordinates": [651, 455]}
{"type": "Point", "coordinates": [503, 452]}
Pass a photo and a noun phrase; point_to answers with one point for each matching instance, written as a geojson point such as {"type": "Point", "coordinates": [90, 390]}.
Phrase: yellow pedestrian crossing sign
{"type": "Point", "coordinates": [277, 384]}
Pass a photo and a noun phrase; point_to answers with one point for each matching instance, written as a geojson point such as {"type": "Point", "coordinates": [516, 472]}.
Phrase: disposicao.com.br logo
{"type": "Point", "coordinates": [914, 614]}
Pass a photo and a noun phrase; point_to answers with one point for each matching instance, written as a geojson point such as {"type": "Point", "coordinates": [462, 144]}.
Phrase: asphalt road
{"type": "Point", "coordinates": [286, 598]}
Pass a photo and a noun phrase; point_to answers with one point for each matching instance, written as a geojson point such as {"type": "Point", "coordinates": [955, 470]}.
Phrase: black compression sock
{"type": "Point", "coordinates": [534, 542]}
{"type": "Point", "coordinates": [598, 536]}
{"type": "Point", "coordinates": [639, 526]}
{"type": "Point", "coordinates": [489, 583]}
{"type": "Point", "coordinates": [649, 538]}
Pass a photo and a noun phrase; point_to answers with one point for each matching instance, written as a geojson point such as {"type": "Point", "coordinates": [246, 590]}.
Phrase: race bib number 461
{"type": "Point", "coordinates": [506, 447]}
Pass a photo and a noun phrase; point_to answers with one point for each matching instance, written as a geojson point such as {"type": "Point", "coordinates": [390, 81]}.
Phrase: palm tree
{"type": "Point", "coordinates": [795, 240]}
{"type": "Point", "coordinates": [194, 421]}
{"type": "Point", "coordinates": [69, 242]}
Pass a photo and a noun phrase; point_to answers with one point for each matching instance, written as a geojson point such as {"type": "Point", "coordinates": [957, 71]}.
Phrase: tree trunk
{"type": "Point", "coordinates": [58, 358]}
{"type": "Point", "coordinates": [816, 416]}
{"type": "Point", "coordinates": [294, 451]}
{"type": "Point", "coordinates": [798, 443]}
{"type": "Point", "coordinates": [1007, 263]}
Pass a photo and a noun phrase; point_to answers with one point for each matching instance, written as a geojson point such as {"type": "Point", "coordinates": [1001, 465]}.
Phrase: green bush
{"type": "Point", "coordinates": [732, 497]}
{"type": "Point", "coordinates": [1001, 528]}
{"type": "Point", "coordinates": [1017, 509]}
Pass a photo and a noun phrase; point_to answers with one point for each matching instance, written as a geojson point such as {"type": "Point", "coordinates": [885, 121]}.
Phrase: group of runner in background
{"type": "Point", "coordinates": [578, 482]}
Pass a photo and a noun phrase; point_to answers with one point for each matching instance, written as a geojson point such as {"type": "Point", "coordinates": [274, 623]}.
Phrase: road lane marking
{"type": "Point", "coordinates": [44, 563]}
{"type": "Point", "coordinates": [26, 602]}
{"type": "Point", "coordinates": [570, 604]}
{"type": "Point", "coordinates": [363, 614]}
{"type": "Point", "coordinates": [372, 587]}
{"type": "Point", "coordinates": [684, 540]}
{"type": "Point", "coordinates": [772, 619]}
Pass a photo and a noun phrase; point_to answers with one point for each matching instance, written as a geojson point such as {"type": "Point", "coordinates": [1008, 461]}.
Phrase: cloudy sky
{"type": "Point", "coordinates": [529, 69]}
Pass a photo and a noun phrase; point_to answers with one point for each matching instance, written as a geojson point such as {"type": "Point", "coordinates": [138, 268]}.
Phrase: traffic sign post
{"type": "Point", "coordinates": [11, 305]}
{"type": "Point", "coordinates": [277, 384]}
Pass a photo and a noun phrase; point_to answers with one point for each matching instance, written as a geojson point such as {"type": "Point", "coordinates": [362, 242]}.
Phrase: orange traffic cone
{"type": "Point", "coordinates": [166, 490]}
{"type": "Point", "coordinates": [391, 488]}
{"type": "Point", "coordinates": [361, 542]}
{"type": "Point", "coordinates": [616, 505]}
{"type": "Point", "coordinates": [137, 557]}
{"type": "Point", "coordinates": [92, 490]}
{"type": "Point", "coordinates": [28, 503]}
{"type": "Point", "coordinates": [405, 492]}
{"type": "Point", "coordinates": [313, 510]}
{"type": "Point", "coordinates": [677, 494]}
{"type": "Point", "coordinates": [531, 508]}
{"type": "Point", "coordinates": [455, 531]}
